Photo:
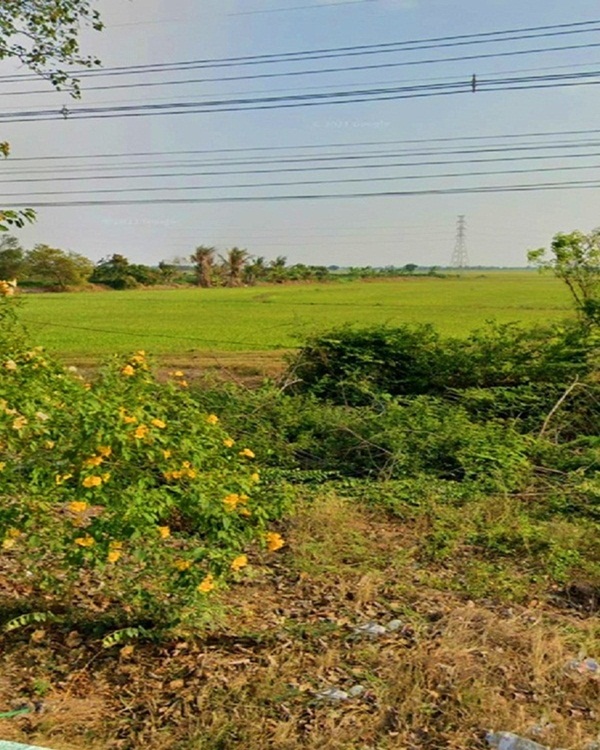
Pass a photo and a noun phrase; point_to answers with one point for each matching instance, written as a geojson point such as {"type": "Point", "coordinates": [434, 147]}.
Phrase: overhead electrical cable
{"type": "Point", "coordinates": [321, 71]}
{"type": "Point", "coordinates": [424, 43]}
{"type": "Point", "coordinates": [305, 100]}
{"type": "Point", "coordinates": [308, 159]}
{"type": "Point", "coordinates": [291, 170]}
{"type": "Point", "coordinates": [519, 187]}
{"type": "Point", "coordinates": [351, 144]}
{"type": "Point", "coordinates": [345, 180]}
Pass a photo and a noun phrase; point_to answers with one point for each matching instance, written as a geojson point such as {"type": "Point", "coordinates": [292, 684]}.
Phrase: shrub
{"type": "Point", "coordinates": [356, 366]}
{"type": "Point", "coordinates": [120, 496]}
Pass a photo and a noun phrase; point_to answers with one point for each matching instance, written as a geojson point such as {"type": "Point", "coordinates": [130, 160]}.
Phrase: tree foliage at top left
{"type": "Point", "coordinates": [44, 36]}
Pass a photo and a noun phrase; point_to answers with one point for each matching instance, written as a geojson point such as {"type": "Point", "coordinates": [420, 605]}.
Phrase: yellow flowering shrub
{"type": "Point", "coordinates": [120, 488]}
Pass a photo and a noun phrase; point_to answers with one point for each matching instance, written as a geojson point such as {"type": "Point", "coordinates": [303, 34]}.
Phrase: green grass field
{"type": "Point", "coordinates": [181, 321]}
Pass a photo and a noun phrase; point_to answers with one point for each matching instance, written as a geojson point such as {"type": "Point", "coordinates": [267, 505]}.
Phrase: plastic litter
{"type": "Point", "coordinates": [355, 691]}
{"type": "Point", "coordinates": [374, 629]}
{"type": "Point", "coordinates": [5, 745]}
{"type": "Point", "coordinates": [393, 625]}
{"type": "Point", "coordinates": [371, 629]}
{"type": "Point", "coordinates": [335, 695]}
{"type": "Point", "coordinates": [585, 666]}
{"type": "Point", "coordinates": [332, 694]}
{"type": "Point", "coordinates": [510, 741]}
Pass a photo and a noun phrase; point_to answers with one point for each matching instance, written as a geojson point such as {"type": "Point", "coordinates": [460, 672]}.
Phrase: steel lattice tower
{"type": "Point", "coordinates": [460, 258]}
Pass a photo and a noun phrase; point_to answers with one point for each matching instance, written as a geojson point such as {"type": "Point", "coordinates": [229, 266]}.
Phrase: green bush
{"type": "Point", "coordinates": [356, 366]}
{"type": "Point", "coordinates": [120, 488]}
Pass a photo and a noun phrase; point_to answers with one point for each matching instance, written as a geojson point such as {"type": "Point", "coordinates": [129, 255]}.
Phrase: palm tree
{"type": "Point", "coordinates": [255, 271]}
{"type": "Point", "coordinates": [277, 269]}
{"type": "Point", "coordinates": [203, 259]}
{"type": "Point", "coordinates": [234, 264]}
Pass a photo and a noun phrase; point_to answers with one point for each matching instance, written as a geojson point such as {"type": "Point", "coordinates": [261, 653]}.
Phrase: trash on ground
{"type": "Point", "coordinates": [336, 695]}
{"type": "Point", "coordinates": [333, 694]}
{"type": "Point", "coordinates": [393, 625]}
{"type": "Point", "coordinates": [585, 666]}
{"type": "Point", "coordinates": [355, 691]}
{"type": "Point", "coordinates": [510, 741]}
{"type": "Point", "coordinates": [374, 629]}
{"type": "Point", "coordinates": [371, 629]}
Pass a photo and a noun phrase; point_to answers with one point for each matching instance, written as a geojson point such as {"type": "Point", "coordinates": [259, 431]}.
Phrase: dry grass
{"type": "Point", "coordinates": [455, 669]}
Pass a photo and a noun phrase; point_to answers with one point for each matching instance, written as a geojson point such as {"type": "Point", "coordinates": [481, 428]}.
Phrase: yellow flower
{"type": "Point", "coordinates": [113, 555]}
{"type": "Point", "coordinates": [274, 541]}
{"type": "Point", "coordinates": [10, 540]}
{"type": "Point", "coordinates": [207, 584]}
{"type": "Point", "coordinates": [191, 473]}
{"type": "Point", "coordinates": [177, 374]}
{"type": "Point", "coordinates": [247, 453]}
{"type": "Point", "coordinates": [49, 444]}
{"type": "Point", "coordinates": [105, 450]}
{"type": "Point", "coordinates": [164, 531]}
{"type": "Point", "coordinates": [159, 423]}
{"type": "Point", "coordinates": [229, 442]}
{"type": "Point", "coordinates": [239, 563]}
{"type": "Point", "coordinates": [245, 512]}
{"type": "Point", "coordinates": [168, 475]}
{"type": "Point", "coordinates": [7, 288]}
{"type": "Point", "coordinates": [10, 364]}
{"type": "Point", "coordinates": [129, 420]}
{"type": "Point", "coordinates": [212, 419]}
{"type": "Point", "coordinates": [116, 544]}
{"type": "Point", "coordinates": [167, 453]}
{"type": "Point", "coordinates": [93, 481]}
{"type": "Point", "coordinates": [183, 565]}
{"type": "Point", "coordinates": [183, 383]}
{"type": "Point", "coordinates": [255, 477]}
{"type": "Point", "coordinates": [62, 478]}
{"type": "Point", "coordinates": [93, 461]}
{"type": "Point", "coordinates": [78, 506]}
{"type": "Point", "coordinates": [128, 371]}
{"type": "Point", "coordinates": [106, 476]}
{"type": "Point", "coordinates": [140, 432]}
{"type": "Point", "coordinates": [231, 501]}
{"type": "Point", "coordinates": [19, 423]}
{"type": "Point", "coordinates": [85, 541]}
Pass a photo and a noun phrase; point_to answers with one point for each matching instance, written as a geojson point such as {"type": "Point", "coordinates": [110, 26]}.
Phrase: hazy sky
{"type": "Point", "coordinates": [357, 231]}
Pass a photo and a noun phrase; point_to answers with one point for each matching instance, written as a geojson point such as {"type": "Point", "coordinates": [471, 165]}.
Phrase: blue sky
{"type": "Point", "coordinates": [376, 231]}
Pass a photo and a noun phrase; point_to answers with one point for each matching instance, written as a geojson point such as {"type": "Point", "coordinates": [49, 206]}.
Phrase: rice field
{"type": "Point", "coordinates": [270, 318]}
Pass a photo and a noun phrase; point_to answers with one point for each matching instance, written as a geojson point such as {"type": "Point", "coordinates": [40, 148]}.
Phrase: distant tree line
{"type": "Point", "coordinates": [53, 268]}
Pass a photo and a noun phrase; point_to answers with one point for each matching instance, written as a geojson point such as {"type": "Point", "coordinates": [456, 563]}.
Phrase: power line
{"type": "Point", "coordinates": [306, 100]}
{"type": "Point", "coordinates": [347, 180]}
{"type": "Point", "coordinates": [519, 187]}
{"type": "Point", "coordinates": [320, 71]}
{"type": "Point", "coordinates": [304, 159]}
{"type": "Point", "coordinates": [55, 177]}
{"type": "Point", "coordinates": [444, 139]}
{"type": "Point", "coordinates": [286, 89]}
{"type": "Point", "coordinates": [283, 56]}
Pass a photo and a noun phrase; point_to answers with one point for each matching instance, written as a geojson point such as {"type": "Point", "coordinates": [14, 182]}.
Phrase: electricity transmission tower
{"type": "Point", "coordinates": [460, 258]}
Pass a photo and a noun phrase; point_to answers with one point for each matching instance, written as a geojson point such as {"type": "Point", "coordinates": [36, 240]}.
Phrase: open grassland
{"type": "Point", "coordinates": [179, 322]}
